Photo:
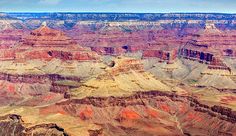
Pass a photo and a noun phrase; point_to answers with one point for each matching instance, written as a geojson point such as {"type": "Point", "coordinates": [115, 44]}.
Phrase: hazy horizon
{"type": "Point", "coordinates": [120, 6]}
{"type": "Point", "coordinates": [97, 12]}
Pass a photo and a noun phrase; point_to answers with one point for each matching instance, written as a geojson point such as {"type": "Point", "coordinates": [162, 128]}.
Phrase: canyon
{"type": "Point", "coordinates": [116, 74]}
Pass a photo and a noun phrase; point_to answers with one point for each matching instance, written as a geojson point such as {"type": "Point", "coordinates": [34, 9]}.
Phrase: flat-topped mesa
{"type": "Point", "coordinates": [166, 54]}
{"type": "Point", "coordinates": [47, 37]}
{"type": "Point", "coordinates": [123, 65]}
{"type": "Point", "coordinates": [199, 53]}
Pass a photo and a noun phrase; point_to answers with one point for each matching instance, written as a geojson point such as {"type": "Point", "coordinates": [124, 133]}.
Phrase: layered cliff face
{"type": "Point", "coordinates": [124, 78]}
{"type": "Point", "coordinates": [147, 113]}
{"type": "Point", "coordinates": [13, 125]}
{"type": "Point", "coordinates": [11, 30]}
{"type": "Point", "coordinates": [42, 82]}
{"type": "Point", "coordinates": [211, 39]}
{"type": "Point", "coordinates": [150, 113]}
{"type": "Point", "coordinates": [209, 46]}
{"type": "Point", "coordinates": [117, 74]}
{"type": "Point", "coordinates": [45, 36]}
{"type": "Point", "coordinates": [10, 37]}
{"type": "Point", "coordinates": [167, 111]}
{"type": "Point", "coordinates": [45, 43]}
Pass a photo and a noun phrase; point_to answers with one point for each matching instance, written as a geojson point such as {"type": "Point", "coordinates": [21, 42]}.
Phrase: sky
{"type": "Point", "coordinates": [131, 6]}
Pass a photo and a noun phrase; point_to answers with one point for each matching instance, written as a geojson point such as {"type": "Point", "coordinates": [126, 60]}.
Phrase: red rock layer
{"type": "Point", "coordinates": [46, 37]}
{"type": "Point", "coordinates": [45, 43]}
{"type": "Point", "coordinates": [10, 37]}
{"type": "Point", "coordinates": [209, 45]}
{"type": "Point", "coordinates": [30, 78]}
{"type": "Point", "coordinates": [212, 40]}
{"type": "Point", "coordinates": [115, 41]}
{"type": "Point", "coordinates": [144, 110]}
{"type": "Point", "coordinates": [163, 54]}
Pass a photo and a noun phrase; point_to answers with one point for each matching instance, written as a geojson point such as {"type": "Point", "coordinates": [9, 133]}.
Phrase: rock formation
{"type": "Point", "coordinates": [133, 74]}
{"type": "Point", "coordinates": [14, 125]}
{"type": "Point", "coordinates": [45, 43]}
{"type": "Point", "coordinates": [209, 42]}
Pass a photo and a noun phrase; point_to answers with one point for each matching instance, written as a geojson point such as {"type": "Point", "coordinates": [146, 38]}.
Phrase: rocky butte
{"type": "Point", "coordinates": [209, 46]}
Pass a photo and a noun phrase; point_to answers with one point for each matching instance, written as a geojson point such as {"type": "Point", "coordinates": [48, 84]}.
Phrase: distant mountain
{"type": "Point", "coordinates": [125, 16]}
{"type": "Point", "coordinates": [166, 20]}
